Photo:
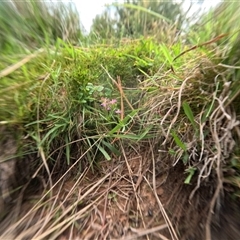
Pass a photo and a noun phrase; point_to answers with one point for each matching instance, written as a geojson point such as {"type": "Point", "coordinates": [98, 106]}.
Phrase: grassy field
{"type": "Point", "coordinates": [128, 138]}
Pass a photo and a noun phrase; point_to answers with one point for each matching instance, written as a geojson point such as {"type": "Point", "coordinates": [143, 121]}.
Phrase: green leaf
{"type": "Point", "coordinates": [166, 53]}
{"type": "Point", "coordinates": [99, 88]}
{"type": "Point", "coordinates": [144, 133]}
{"type": "Point", "coordinates": [67, 150]}
{"type": "Point", "coordinates": [191, 172]}
{"type": "Point", "coordinates": [111, 147]}
{"type": "Point", "coordinates": [105, 154]}
{"type": "Point", "coordinates": [52, 132]}
{"type": "Point", "coordinates": [209, 109]}
{"type": "Point", "coordinates": [178, 141]}
{"type": "Point", "coordinates": [189, 114]}
{"type": "Point", "coordinates": [171, 152]}
{"type": "Point", "coordinates": [124, 122]}
{"type": "Point", "coordinates": [185, 158]}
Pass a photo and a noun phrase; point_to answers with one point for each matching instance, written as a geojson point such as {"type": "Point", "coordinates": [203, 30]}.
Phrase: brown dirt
{"type": "Point", "coordinates": [128, 206]}
{"type": "Point", "coordinates": [120, 199]}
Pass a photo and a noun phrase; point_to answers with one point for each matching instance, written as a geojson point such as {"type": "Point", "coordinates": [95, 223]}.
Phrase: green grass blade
{"type": "Point", "coordinates": [105, 154]}
{"type": "Point", "coordinates": [191, 172]}
{"type": "Point", "coordinates": [189, 114]}
{"type": "Point", "coordinates": [209, 109]}
{"type": "Point", "coordinates": [178, 141]}
{"type": "Point", "coordinates": [111, 148]}
{"type": "Point", "coordinates": [67, 150]}
{"type": "Point", "coordinates": [124, 122]}
{"type": "Point", "coordinates": [143, 9]}
{"type": "Point", "coordinates": [166, 52]}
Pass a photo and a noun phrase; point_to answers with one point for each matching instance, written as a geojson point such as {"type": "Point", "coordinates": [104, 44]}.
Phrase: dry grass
{"type": "Point", "coordinates": [119, 200]}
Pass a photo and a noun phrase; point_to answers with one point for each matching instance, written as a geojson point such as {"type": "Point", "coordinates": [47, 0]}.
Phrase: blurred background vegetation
{"type": "Point", "coordinates": [34, 23]}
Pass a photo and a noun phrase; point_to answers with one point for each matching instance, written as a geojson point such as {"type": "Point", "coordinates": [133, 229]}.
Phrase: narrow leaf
{"type": "Point", "coordinates": [111, 147]}
{"type": "Point", "coordinates": [67, 150]}
{"type": "Point", "coordinates": [179, 142]}
{"type": "Point", "coordinates": [189, 114]}
{"type": "Point", "coordinates": [191, 172]}
{"type": "Point", "coordinates": [105, 154]}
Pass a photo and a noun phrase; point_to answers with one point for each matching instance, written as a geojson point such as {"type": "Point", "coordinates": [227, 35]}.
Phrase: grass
{"type": "Point", "coordinates": [82, 113]}
{"type": "Point", "coordinates": [33, 24]}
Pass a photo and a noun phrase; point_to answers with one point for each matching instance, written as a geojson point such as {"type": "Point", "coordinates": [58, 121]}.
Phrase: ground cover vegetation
{"type": "Point", "coordinates": [129, 132]}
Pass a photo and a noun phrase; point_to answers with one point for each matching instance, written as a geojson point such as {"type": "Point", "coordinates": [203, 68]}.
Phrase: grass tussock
{"type": "Point", "coordinates": [132, 139]}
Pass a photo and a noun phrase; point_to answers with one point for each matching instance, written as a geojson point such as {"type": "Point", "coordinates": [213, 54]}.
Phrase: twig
{"type": "Point", "coordinates": [144, 232]}
{"type": "Point", "coordinates": [165, 216]}
{"type": "Point", "coordinates": [115, 82]}
{"type": "Point", "coordinates": [17, 65]}
{"type": "Point", "coordinates": [178, 108]}
{"type": "Point", "coordinates": [201, 45]}
{"type": "Point", "coordinates": [119, 85]}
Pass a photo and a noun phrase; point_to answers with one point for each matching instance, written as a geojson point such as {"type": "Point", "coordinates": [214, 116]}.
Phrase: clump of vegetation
{"type": "Point", "coordinates": [135, 19]}
{"type": "Point", "coordinates": [33, 24]}
{"type": "Point", "coordinates": [94, 124]}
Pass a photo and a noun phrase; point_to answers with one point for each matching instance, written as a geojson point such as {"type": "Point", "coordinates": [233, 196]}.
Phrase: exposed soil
{"type": "Point", "coordinates": [119, 199]}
